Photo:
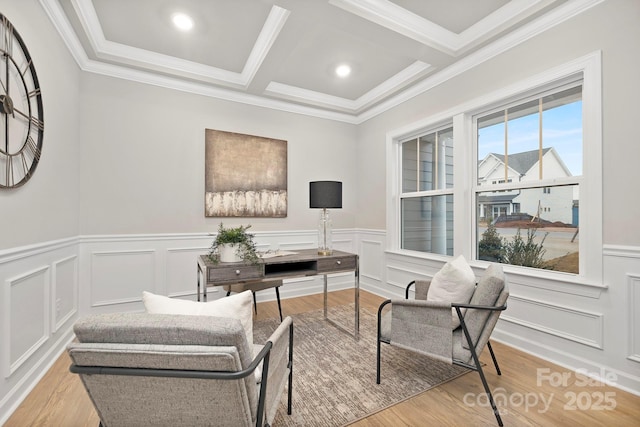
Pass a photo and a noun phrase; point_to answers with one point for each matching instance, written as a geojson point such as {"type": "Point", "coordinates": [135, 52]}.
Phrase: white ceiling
{"type": "Point", "coordinates": [282, 53]}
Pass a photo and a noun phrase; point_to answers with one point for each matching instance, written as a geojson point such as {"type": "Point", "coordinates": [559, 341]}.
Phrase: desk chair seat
{"type": "Point", "coordinates": [255, 287]}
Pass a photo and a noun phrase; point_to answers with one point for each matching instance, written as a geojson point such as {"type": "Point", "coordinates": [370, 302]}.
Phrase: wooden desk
{"type": "Point", "coordinates": [305, 262]}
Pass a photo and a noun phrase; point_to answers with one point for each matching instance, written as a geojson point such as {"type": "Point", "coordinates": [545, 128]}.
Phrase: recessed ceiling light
{"type": "Point", "coordinates": [182, 22]}
{"type": "Point", "coordinates": [343, 70]}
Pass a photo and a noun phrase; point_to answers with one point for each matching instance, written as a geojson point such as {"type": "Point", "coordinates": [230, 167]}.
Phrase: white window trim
{"type": "Point", "coordinates": [590, 66]}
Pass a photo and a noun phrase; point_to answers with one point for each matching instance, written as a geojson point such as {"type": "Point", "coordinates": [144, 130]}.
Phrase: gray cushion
{"type": "Point", "coordinates": [422, 289]}
{"type": "Point", "coordinates": [167, 329]}
{"type": "Point", "coordinates": [486, 293]}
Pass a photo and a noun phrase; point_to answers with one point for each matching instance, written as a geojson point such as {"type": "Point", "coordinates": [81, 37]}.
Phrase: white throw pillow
{"type": "Point", "coordinates": [238, 306]}
{"type": "Point", "coordinates": [455, 282]}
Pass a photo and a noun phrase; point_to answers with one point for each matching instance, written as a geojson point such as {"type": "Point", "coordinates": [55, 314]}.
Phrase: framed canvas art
{"type": "Point", "coordinates": [245, 175]}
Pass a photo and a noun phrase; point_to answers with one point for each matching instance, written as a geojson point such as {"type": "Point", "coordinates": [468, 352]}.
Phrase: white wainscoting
{"type": "Point", "coordinates": [592, 327]}
{"type": "Point", "coordinates": [26, 330]}
{"type": "Point", "coordinates": [38, 306]}
{"type": "Point", "coordinates": [47, 287]}
{"type": "Point", "coordinates": [116, 269]}
{"type": "Point", "coordinates": [633, 306]}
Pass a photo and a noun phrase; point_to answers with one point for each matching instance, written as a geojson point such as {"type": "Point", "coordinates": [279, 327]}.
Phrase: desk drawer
{"type": "Point", "coordinates": [336, 264]}
{"type": "Point", "coordinates": [234, 272]}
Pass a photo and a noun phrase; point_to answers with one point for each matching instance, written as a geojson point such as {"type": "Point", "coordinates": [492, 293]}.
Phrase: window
{"type": "Point", "coordinates": [426, 200]}
{"type": "Point", "coordinates": [524, 146]}
{"type": "Point", "coordinates": [528, 179]}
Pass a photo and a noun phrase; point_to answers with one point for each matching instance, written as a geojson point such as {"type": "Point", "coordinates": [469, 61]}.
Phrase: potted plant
{"type": "Point", "coordinates": [233, 245]}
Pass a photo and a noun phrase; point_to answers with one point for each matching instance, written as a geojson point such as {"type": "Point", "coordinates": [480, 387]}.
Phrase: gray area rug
{"type": "Point", "coordinates": [334, 376]}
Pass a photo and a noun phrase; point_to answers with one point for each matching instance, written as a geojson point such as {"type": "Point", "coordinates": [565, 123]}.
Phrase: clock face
{"type": "Point", "coordinates": [21, 119]}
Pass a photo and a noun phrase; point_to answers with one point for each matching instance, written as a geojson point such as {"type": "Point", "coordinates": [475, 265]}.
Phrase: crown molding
{"type": "Point", "coordinates": [395, 83]}
{"type": "Point", "coordinates": [515, 38]}
{"type": "Point", "coordinates": [204, 89]}
{"type": "Point", "coordinates": [108, 50]}
{"type": "Point", "coordinates": [520, 35]}
{"type": "Point", "coordinates": [407, 23]}
{"type": "Point", "coordinates": [270, 31]}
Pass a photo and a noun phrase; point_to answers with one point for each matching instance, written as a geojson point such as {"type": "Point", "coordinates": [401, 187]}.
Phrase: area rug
{"type": "Point", "coordinates": [335, 375]}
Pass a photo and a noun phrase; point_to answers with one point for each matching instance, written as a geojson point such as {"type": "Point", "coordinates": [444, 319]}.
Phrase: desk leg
{"type": "Point", "coordinates": [326, 288]}
{"type": "Point", "coordinates": [199, 272]}
{"type": "Point", "coordinates": [356, 325]}
{"type": "Point", "coordinates": [357, 300]}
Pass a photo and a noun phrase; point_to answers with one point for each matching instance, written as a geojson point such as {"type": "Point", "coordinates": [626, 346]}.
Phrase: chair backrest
{"type": "Point", "coordinates": [160, 341]}
{"type": "Point", "coordinates": [492, 290]}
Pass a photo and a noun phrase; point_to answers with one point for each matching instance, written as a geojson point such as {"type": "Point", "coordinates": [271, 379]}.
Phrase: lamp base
{"type": "Point", "coordinates": [324, 234]}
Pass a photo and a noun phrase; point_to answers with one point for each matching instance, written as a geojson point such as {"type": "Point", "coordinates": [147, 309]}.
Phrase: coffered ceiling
{"type": "Point", "coordinates": [283, 53]}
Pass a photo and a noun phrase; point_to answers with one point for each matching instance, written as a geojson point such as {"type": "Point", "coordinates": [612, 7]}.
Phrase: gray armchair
{"type": "Point", "coordinates": [158, 369]}
{"type": "Point", "coordinates": [426, 326]}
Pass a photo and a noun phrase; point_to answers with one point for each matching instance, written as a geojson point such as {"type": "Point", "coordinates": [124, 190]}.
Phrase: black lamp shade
{"type": "Point", "coordinates": [325, 194]}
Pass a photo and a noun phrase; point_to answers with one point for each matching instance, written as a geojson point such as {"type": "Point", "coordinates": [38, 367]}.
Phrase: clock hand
{"type": "Point", "coordinates": [15, 110]}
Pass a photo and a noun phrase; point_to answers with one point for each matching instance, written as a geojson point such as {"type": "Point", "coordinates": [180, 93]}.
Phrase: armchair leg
{"type": "Point", "coordinates": [486, 389]}
{"type": "Point", "coordinates": [255, 304]}
{"type": "Point", "coordinates": [478, 367]}
{"type": "Point", "coordinates": [290, 390]}
{"type": "Point", "coordinates": [378, 360]}
{"type": "Point", "coordinates": [378, 340]}
{"type": "Point", "coordinates": [493, 356]}
{"type": "Point", "coordinates": [279, 305]}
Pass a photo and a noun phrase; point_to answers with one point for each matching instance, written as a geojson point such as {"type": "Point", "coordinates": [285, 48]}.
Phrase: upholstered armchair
{"type": "Point", "coordinates": [167, 369]}
{"type": "Point", "coordinates": [427, 327]}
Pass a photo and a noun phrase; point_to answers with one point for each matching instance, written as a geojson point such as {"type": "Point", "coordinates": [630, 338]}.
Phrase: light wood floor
{"type": "Point", "coordinates": [525, 397]}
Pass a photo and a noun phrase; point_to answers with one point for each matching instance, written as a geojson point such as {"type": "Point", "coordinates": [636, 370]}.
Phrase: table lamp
{"type": "Point", "coordinates": [324, 195]}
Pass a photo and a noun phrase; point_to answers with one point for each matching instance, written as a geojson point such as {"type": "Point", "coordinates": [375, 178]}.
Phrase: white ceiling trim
{"type": "Point", "coordinates": [407, 23]}
{"type": "Point", "coordinates": [557, 16]}
{"type": "Point", "coordinates": [522, 34]}
{"type": "Point", "coordinates": [395, 83]}
{"type": "Point", "coordinates": [170, 82]}
{"type": "Point", "coordinates": [270, 31]}
{"type": "Point", "coordinates": [109, 50]}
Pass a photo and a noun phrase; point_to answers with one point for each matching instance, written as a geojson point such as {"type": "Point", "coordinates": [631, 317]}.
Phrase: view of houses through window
{"type": "Point", "coordinates": [529, 169]}
{"type": "Point", "coordinates": [427, 193]}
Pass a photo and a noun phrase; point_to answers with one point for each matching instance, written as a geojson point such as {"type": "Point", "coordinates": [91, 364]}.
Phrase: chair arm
{"type": "Point", "coordinates": [480, 307]}
{"type": "Point", "coordinates": [421, 289]}
{"type": "Point", "coordinates": [406, 291]}
{"type": "Point", "coordinates": [174, 373]}
{"type": "Point", "coordinates": [435, 305]}
{"type": "Point", "coordinates": [458, 307]}
{"type": "Point", "coordinates": [280, 369]}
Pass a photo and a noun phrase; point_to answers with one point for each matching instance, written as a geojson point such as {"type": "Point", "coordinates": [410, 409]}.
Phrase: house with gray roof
{"type": "Point", "coordinates": [548, 203]}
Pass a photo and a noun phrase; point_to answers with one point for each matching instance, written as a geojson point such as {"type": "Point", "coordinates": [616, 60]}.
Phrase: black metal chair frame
{"type": "Point", "coordinates": [206, 375]}
{"type": "Point", "coordinates": [477, 366]}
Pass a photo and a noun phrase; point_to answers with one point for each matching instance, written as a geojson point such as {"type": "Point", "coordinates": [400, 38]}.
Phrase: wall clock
{"type": "Point", "coordinates": [21, 118]}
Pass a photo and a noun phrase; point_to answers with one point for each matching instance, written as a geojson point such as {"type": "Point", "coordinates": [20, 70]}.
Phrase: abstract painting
{"type": "Point", "coordinates": [245, 175]}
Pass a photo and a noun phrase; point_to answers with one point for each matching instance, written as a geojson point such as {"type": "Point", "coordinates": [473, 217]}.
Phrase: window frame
{"type": "Point", "coordinates": [418, 194]}
{"type": "Point", "coordinates": [588, 69]}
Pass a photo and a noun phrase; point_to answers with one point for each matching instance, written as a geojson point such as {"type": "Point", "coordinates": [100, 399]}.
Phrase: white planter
{"type": "Point", "coordinates": [228, 253]}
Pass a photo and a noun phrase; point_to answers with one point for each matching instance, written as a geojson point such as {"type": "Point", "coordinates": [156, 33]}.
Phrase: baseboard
{"type": "Point", "coordinates": [16, 395]}
{"type": "Point", "coordinates": [623, 381]}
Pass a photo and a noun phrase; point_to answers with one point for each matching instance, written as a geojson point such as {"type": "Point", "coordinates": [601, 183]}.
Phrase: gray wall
{"type": "Point", "coordinates": [120, 193]}
{"type": "Point", "coordinates": [142, 159]}
{"type": "Point", "coordinates": [46, 207]}
{"type": "Point", "coordinates": [614, 28]}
